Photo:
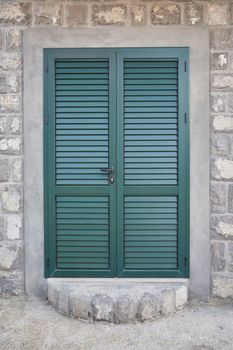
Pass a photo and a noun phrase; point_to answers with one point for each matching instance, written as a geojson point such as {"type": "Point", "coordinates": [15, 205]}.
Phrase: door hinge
{"type": "Point", "coordinates": [46, 119]}
{"type": "Point", "coordinates": [185, 261]}
{"type": "Point", "coordinates": [48, 263]}
{"type": "Point", "coordinates": [185, 117]}
{"type": "Point", "coordinates": [46, 66]}
{"type": "Point", "coordinates": [185, 66]}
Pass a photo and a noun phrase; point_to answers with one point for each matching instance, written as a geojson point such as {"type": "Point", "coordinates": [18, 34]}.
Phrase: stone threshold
{"type": "Point", "coordinates": [117, 300]}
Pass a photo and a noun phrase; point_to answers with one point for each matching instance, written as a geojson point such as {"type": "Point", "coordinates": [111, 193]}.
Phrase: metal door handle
{"type": "Point", "coordinates": [110, 172]}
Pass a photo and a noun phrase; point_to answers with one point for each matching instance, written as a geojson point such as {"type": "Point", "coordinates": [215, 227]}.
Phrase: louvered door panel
{"type": "Point", "coordinates": [151, 233]}
{"type": "Point", "coordinates": [82, 228]}
{"type": "Point", "coordinates": [82, 121]}
{"type": "Point", "coordinates": [150, 122]}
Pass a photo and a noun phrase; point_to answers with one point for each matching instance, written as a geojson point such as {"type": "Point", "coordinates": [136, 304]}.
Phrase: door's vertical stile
{"type": "Point", "coordinates": [120, 164]}
{"type": "Point", "coordinates": [49, 125]}
{"type": "Point", "coordinates": [183, 170]}
{"type": "Point", "coordinates": [112, 162]}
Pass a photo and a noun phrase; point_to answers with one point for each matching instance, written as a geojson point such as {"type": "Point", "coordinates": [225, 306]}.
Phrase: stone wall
{"type": "Point", "coordinates": [15, 16]}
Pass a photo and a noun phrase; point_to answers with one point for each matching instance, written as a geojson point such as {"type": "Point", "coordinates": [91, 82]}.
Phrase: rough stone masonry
{"type": "Point", "coordinates": [16, 16]}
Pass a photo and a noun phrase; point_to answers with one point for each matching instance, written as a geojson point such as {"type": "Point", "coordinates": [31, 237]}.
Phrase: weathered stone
{"type": "Point", "coordinates": [223, 123]}
{"type": "Point", "coordinates": [10, 103]}
{"type": "Point", "coordinates": [230, 256]}
{"type": "Point", "coordinates": [47, 14]}
{"type": "Point", "coordinates": [218, 256]}
{"type": "Point", "coordinates": [81, 306]}
{"type": "Point", "coordinates": [13, 82]}
{"type": "Point", "coordinates": [10, 145]}
{"type": "Point", "coordinates": [2, 83]}
{"type": "Point", "coordinates": [218, 103]}
{"type": "Point", "coordinates": [109, 14]}
{"type": "Point", "coordinates": [64, 301]}
{"type": "Point", "coordinates": [15, 124]}
{"type": "Point", "coordinates": [230, 102]}
{"type": "Point", "coordinates": [14, 13]}
{"type": "Point", "coordinates": [53, 294]}
{"type": "Point", "coordinates": [14, 227]}
{"type": "Point", "coordinates": [221, 39]}
{"type": "Point", "coordinates": [222, 81]}
{"type": "Point", "coordinates": [222, 226]}
{"type": "Point", "coordinates": [11, 255]}
{"type": "Point", "coordinates": [148, 307]}
{"type": "Point", "coordinates": [3, 125]}
{"type": "Point", "coordinates": [4, 170]}
{"type": "Point", "coordinates": [17, 169]}
{"type": "Point", "coordinates": [103, 308]}
{"type": "Point", "coordinates": [11, 283]}
{"type": "Point", "coordinates": [76, 14]}
{"type": "Point", "coordinates": [219, 60]}
{"type": "Point", "coordinates": [222, 285]}
{"type": "Point", "coordinates": [2, 227]}
{"type": "Point", "coordinates": [138, 14]}
{"type": "Point", "coordinates": [181, 297]}
{"type": "Point", "coordinates": [165, 14]}
{"type": "Point", "coordinates": [193, 13]}
{"type": "Point", "coordinates": [217, 13]}
{"type": "Point", "coordinates": [1, 39]}
{"type": "Point", "coordinates": [221, 145]}
{"type": "Point", "coordinates": [230, 199]}
{"type": "Point", "coordinates": [126, 309]}
{"type": "Point", "coordinates": [14, 39]}
{"type": "Point", "coordinates": [168, 302]}
{"type": "Point", "coordinates": [218, 198]}
{"type": "Point", "coordinates": [222, 169]}
{"type": "Point", "coordinates": [12, 198]}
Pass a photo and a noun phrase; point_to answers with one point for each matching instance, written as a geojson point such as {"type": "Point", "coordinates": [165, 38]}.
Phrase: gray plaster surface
{"type": "Point", "coordinates": [27, 325]}
{"type": "Point", "coordinates": [197, 39]}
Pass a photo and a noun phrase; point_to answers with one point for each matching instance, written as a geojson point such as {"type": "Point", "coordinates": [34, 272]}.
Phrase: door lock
{"type": "Point", "coordinates": [110, 172]}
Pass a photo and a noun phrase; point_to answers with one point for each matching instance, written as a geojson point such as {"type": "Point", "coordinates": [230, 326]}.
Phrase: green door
{"type": "Point", "coordinates": [116, 162]}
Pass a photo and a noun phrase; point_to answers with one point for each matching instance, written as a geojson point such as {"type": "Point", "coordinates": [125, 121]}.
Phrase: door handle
{"type": "Point", "coordinates": [110, 172]}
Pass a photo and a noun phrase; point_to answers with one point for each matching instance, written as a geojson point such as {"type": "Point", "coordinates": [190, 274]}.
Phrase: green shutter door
{"type": "Point", "coordinates": [124, 108]}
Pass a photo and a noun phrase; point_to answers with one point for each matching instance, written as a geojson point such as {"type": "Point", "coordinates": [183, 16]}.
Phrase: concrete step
{"type": "Point", "coordinates": [117, 301]}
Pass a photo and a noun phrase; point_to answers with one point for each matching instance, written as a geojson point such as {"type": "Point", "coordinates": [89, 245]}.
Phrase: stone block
{"type": "Point", "coordinates": [167, 302]}
{"type": "Point", "coordinates": [11, 145]}
{"type": "Point", "coordinates": [126, 309]}
{"type": "Point", "coordinates": [103, 308]}
{"type": "Point", "coordinates": [230, 103]}
{"type": "Point", "coordinates": [222, 82]}
{"type": "Point", "coordinates": [218, 256]}
{"type": "Point", "coordinates": [230, 256]}
{"type": "Point", "coordinates": [4, 169]}
{"type": "Point", "coordinates": [15, 13]}
{"type": "Point", "coordinates": [218, 198]}
{"type": "Point", "coordinates": [14, 39]}
{"type": "Point", "coordinates": [10, 103]}
{"type": "Point", "coordinates": [2, 83]}
{"type": "Point", "coordinates": [3, 125]}
{"type": "Point", "coordinates": [53, 294]}
{"type": "Point", "coordinates": [148, 307]}
{"type": "Point", "coordinates": [17, 169]}
{"type": "Point", "coordinates": [81, 306]}
{"type": "Point", "coordinates": [15, 124]}
{"type": "Point", "coordinates": [64, 301]}
{"type": "Point", "coordinates": [218, 103]}
{"type": "Point", "coordinates": [222, 226]}
{"type": "Point", "coordinates": [193, 13]}
{"type": "Point", "coordinates": [223, 123]}
{"type": "Point", "coordinates": [109, 14]}
{"type": "Point", "coordinates": [11, 61]}
{"type": "Point", "coordinates": [221, 39]}
{"type": "Point", "coordinates": [230, 198]}
{"type": "Point", "coordinates": [138, 14]}
{"type": "Point", "coordinates": [13, 82]}
{"type": "Point", "coordinates": [2, 227]}
{"type": "Point", "coordinates": [1, 39]}
{"type": "Point", "coordinates": [47, 13]}
{"type": "Point", "coordinates": [221, 145]}
{"type": "Point", "coordinates": [217, 13]}
{"type": "Point", "coordinates": [181, 297]}
{"type": "Point", "coordinates": [222, 169]}
{"type": "Point", "coordinates": [76, 14]}
{"type": "Point", "coordinates": [219, 61]}
{"type": "Point", "coordinates": [166, 14]}
{"type": "Point", "coordinates": [222, 285]}
{"type": "Point", "coordinates": [11, 255]}
{"type": "Point", "coordinates": [12, 198]}
{"type": "Point", "coordinates": [14, 227]}
{"type": "Point", "coordinates": [11, 283]}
